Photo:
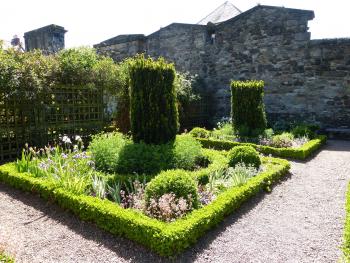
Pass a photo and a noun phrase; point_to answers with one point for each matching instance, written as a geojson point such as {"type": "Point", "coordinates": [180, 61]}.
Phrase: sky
{"type": "Point", "coordinates": [92, 21]}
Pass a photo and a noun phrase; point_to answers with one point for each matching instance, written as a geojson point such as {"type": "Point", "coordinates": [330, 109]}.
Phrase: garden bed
{"type": "Point", "coordinates": [300, 153]}
{"type": "Point", "coordinates": [166, 239]}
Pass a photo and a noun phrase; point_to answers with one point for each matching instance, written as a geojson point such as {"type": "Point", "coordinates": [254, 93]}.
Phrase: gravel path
{"type": "Point", "coordinates": [300, 221]}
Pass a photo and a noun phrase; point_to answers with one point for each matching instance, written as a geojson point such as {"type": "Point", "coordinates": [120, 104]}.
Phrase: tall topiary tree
{"type": "Point", "coordinates": [153, 110]}
{"type": "Point", "coordinates": [247, 107]}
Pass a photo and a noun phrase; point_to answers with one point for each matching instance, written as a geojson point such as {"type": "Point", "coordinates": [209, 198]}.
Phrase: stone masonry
{"type": "Point", "coordinates": [305, 80]}
{"type": "Point", "coordinates": [49, 39]}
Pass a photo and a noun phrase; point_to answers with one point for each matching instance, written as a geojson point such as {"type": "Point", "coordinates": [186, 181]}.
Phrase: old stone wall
{"type": "Point", "coordinates": [49, 39]}
{"type": "Point", "coordinates": [306, 80]}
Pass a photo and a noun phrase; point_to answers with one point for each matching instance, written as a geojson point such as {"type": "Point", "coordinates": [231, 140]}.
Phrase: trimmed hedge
{"type": "Point", "coordinates": [167, 239]}
{"type": "Point", "coordinates": [346, 245]}
{"type": "Point", "coordinates": [153, 108]}
{"type": "Point", "coordinates": [300, 153]}
{"type": "Point", "coordinates": [247, 106]}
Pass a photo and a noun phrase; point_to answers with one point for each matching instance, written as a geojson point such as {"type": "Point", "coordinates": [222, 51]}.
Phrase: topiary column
{"type": "Point", "coordinates": [247, 106]}
{"type": "Point", "coordinates": [153, 110]}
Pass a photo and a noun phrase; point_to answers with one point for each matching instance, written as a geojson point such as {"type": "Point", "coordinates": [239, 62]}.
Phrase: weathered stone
{"type": "Point", "coordinates": [50, 39]}
{"type": "Point", "coordinates": [305, 80]}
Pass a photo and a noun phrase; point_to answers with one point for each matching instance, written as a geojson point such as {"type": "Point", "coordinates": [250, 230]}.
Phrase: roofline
{"type": "Point", "coordinates": [45, 28]}
{"type": "Point", "coordinates": [172, 24]}
{"type": "Point", "coordinates": [237, 17]}
{"type": "Point", "coordinates": [253, 9]}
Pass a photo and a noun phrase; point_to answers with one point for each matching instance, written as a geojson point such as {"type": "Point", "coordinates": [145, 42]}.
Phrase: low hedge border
{"type": "Point", "coordinates": [300, 153]}
{"type": "Point", "coordinates": [346, 245]}
{"type": "Point", "coordinates": [5, 258]}
{"type": "Point", "coordinates": [167, 239]}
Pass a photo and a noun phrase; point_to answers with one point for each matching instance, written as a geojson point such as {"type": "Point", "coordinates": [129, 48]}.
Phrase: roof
{"type": "Point", "coordinates": [120, 39]}
{"type": "Point", "coordinates": [224, 12]}
{"type": "Point", "coordinates": [49, 28]}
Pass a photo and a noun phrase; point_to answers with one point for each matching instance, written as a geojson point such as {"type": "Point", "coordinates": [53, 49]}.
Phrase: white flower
{"type": "Point", "coordinates": [78, 138]}
{"type": "Point", "coordinates": [66, 139]}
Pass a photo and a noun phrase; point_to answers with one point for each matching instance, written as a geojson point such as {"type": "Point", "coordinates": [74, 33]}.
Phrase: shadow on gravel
{"type": "Point", "coordinates": [123, 247]}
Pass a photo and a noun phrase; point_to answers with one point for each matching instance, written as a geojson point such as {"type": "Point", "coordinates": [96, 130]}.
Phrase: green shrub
{"type": "Point", "coordinates": [153, 109]}
{"type": "Point", "coordinates": [200, 132]}
{"type": "Point", "coordinates": [244, 154]}
{"type": "Point", "coordinates": [178, 182]}
{"type": "Point", "coordinates": [106, 148]}
{"type": "Point", "coordinates": [114, 152]}
{"type": "Point", "coordinates": [283, 140]}
{"type": "Point", "coordinates": [303, 131]}
{"type": "Point", "coordinates": [187, 152]}
{"type": "Point", "coordinates": [247, 107]}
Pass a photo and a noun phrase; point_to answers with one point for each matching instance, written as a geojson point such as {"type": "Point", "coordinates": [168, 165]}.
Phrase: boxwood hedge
{"type": "Point", "coordinates": [300, 153]}
{"type": "Point", "coordinates": [346, 245]}
{"type": "Point", "coordinates": [166, 239]}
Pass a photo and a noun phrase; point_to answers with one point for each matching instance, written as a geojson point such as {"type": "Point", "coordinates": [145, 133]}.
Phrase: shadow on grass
{"type": "Point", "coordinates": [123, 247]}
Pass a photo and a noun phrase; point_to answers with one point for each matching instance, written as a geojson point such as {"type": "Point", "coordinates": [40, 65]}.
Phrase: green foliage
{"type": "Point", "coordinates": [346, 245]}
{"type": "Point", "coordinates": [114, 152]}
{"type": "Point", "coordinates": [283, 140]}
{"type": "Point", "coordinates": [303, 131]}
{"type": "Point", "coordinates": [244, 154]}
{"type": "Point", "coordinates": [3, 257]}
{"type": "Point", "coordinates": [247, 107]}
{"type": "Point", "coordinates": [222, 179]}
{"type": "Point", "coordinates": [27, 75]}
{"type": "Point", "coordinates": [178, 182]}
{"type": "Point", "coordinates": [167, 239]}
{"type": "Point", "coordinates": [153, 109]}
{"type": "Point", "coordinates": [200, 132]}
{"type": "Point", "coordinates": [187, 151]}
{"type": "Point", "coordinates": [106, 149]}
{"type": "Point", "coordinates": [300, 153]}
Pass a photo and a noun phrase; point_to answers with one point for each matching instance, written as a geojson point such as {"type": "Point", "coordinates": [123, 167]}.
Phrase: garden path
{"type": "Point", "coordinates": [301, 220]}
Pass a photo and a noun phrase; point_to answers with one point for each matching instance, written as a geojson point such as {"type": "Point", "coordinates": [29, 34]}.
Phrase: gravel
{"type": "Point", "coordinates": [301, 220]}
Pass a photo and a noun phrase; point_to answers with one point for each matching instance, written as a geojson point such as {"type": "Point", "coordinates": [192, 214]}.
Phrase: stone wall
{"type": "Point", "coordinates": [49, 39]}
{"type": "Point", "coordinates": [306, 80]}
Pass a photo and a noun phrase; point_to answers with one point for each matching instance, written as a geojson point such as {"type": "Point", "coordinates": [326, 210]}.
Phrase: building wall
{"type": "Point", "coordinates": [49, 39]}
{"type": "Point", "coordinates": [305, 80]}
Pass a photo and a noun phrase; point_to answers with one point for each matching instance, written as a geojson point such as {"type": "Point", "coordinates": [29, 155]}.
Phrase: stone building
{"type": "Point", "coordinates": [306, 80]}
{"type": "Point", "coordinates": [50, 39]}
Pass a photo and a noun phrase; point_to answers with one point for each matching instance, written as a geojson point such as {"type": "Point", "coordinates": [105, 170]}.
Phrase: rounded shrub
{"type": "Point", "coordinates": [200, 132]}
{"type": "Point", "coordinates": [244, 154]}
{"type": "Point", "coordinates": [178, 182]}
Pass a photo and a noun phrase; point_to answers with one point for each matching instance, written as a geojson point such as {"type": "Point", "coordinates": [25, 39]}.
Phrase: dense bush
{"type": "Point", "coordinates": [106, 149]}
{"type": "Point", "coordinates": [303, 131]}
{"type": "Point", "coordinates": [200, 132]}
{"type": "Point", "coordinates": [177, 182]}
{"type": "Point", "coordinates": [26, 75]}
{"type": "Point", "coordinates": [114, 152]}
{"type": "Point", "coordinates": [153, 109]}
{"type": "Point", "coordinates": [244, 154]}
{"type": "Point", "coordinates": [247, 107]}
